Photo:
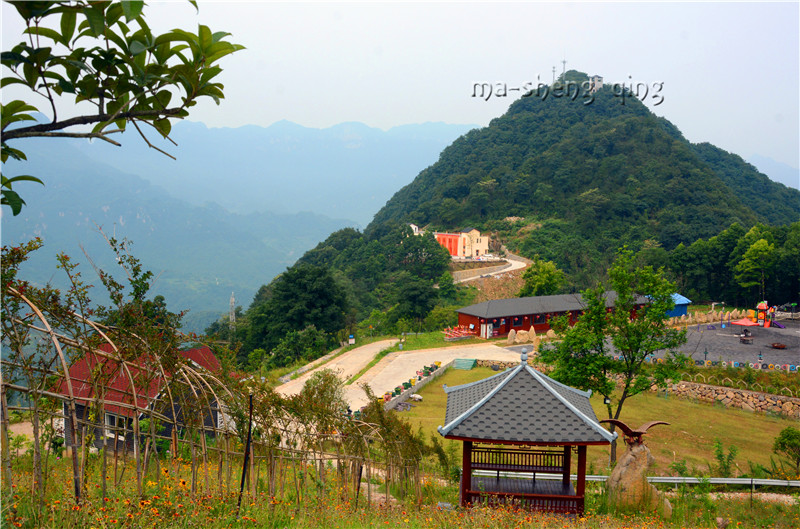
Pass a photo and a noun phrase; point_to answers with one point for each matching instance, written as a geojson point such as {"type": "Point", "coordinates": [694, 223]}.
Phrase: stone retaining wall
{"type": "Point", "coordinates": [490, 363]}
{"type": "Point", "coordinates": [729, 397]}
{"type": "Point", "coordinates": [738, 398]}
{"type": "Point", "coordinates": [477, 272]}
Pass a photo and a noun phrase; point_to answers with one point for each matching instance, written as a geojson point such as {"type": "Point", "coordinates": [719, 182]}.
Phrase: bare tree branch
{"type": "Point", "coordinates": [150, 144]}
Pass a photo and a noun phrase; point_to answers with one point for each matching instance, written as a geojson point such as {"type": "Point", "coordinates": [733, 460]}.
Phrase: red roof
{"type": "Point", "coordinates": [119, 384]}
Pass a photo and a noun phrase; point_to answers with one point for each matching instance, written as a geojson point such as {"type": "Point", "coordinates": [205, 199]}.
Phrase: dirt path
{"type": "Point", "coordinates": [25, 428]}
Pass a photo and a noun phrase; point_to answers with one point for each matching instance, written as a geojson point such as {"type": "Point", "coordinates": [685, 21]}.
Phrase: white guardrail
{"type": "Point", "coordinates": [674, 480]}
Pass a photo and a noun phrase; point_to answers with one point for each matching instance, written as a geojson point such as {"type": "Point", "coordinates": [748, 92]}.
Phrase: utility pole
{"type": "Point", "coordinates": [232, 318]}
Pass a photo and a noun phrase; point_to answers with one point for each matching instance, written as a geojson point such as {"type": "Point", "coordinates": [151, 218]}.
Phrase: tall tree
{"type": "Point", "coordinates": [542, 278]}
{"type": "Point", "coordinates": [756, 266]}
{"type": "Point", "coordinates": [303, 295]}
{"type": "Point", "coordinates": [103, 54]}
{"type": "Point", "coordinates": [636, 326]}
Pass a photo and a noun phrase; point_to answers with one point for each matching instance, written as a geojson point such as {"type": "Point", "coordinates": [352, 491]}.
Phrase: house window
{"type": "Point", "coordinates": [538, 319]}
{"type": "Point", "coordinates": [517, 322]}
{"type": "Point", "coordinates": [117, 425]}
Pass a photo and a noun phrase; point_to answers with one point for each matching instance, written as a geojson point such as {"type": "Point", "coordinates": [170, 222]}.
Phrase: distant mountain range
{"type": "Point", "coordinates": [346, 171]}
{"type": "Point", "coordinates": [200, 250]}
{"type": "Point", "coordinates": [777, 171]}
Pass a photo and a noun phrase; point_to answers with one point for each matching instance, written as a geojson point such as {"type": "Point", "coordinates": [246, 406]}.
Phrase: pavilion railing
{"type": "Point", "coordinates": [524, 460]}
{"type": "Point", "coordinates": [533, 502]}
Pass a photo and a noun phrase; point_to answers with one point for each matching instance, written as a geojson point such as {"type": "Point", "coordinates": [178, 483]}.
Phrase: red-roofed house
{"type": "Point", "coordinates": [148, 386]}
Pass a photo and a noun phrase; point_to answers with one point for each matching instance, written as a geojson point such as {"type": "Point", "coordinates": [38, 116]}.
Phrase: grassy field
{"type": "Point", "coordinates": [693, 429]}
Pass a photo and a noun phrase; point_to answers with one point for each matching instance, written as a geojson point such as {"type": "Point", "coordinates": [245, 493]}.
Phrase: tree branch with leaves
{"type": "Point", "coordinates": [103, 54]}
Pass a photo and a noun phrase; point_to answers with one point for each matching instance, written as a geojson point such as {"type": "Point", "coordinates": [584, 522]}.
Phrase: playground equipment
{"type": "Point", "coordinates": [764, 315]}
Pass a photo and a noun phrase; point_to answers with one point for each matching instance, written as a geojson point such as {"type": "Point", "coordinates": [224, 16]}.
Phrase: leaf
{"type": "Point", "coordinates": [10, 80]}
{"type": "Point", "coordinates": [68, 19]}
{"type": "Point", "coordinates": [163, 126]}
{"type": "Point", "coordinates": [13, 200]}
{"type": "Point", "coordinates": [45, 32]}
{"type": "Point", "coordinates": [14, 111]}
{"type": "Point", "coordinates": [66, 86]}
{"type": "Point", "coordinates": [21, 178]}
{"type": "Point", "coordinates": [16, 154]}
{"type": "Point", "coordinates": [137, 47]}
{"type": "Point", "coordinates": [96, 19]}
{"type": "Point", "coordinates": [132, 9]}
{"type": "Point", "coordinates": [30, 74]}
{"type": "Point", "coordinates": [12, 58]}
{"type": "Point", "coordinates": [29, 10]}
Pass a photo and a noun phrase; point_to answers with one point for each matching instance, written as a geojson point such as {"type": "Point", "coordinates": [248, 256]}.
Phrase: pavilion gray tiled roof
{"type": "Point", "coordinates": [525, 406]}
{"type": "Point", "coordinates": [504, 308]}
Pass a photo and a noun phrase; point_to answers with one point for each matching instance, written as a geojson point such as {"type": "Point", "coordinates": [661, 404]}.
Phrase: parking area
{"type": "Point", "coordinates": [725, 345]}
{"type": "Point", "coordinates": [719, 344]}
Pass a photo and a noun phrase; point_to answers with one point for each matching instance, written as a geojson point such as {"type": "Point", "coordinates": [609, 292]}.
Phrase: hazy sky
{"type": "Point", "coordinates": [729, 70]}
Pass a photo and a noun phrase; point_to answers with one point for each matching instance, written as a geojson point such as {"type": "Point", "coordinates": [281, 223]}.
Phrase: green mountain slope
{"type": "Point", "coordinates": [588, 178]}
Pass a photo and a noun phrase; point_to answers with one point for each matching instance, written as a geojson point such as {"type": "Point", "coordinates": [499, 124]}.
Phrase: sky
{"type": "Point", "coordinates": [729, 72]}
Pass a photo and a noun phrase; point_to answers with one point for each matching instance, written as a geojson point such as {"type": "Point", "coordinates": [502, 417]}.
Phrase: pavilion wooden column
{"type": "Point", "coordinates": [581, 485]}
{"type": "Point", "coordinates": [567, 465]}
{"type": "Point", "coordinates": [466, 472]}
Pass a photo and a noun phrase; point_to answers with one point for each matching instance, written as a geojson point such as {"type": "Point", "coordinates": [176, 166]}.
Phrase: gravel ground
{"type": "Point", "coordinates": [723, 345]}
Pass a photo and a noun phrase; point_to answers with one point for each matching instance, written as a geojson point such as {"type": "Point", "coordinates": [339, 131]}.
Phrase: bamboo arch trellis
{"type": "Point", "coordinates": [289, 445]}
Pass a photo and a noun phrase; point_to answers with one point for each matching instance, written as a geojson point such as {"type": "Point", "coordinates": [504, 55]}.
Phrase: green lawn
{"type": "Point", "coordinates": [693, 427]}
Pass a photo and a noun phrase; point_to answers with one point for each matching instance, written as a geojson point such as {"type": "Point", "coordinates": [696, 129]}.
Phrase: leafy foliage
{"type": "Point", "coordinates": [302, 296]}
{"type": "Point", "coordinates": [788, 444]}
{"type": "Point", "coordinates": [104, 54]}
{"type": "Point", "coordinates": [584, 358]}
{"type": "Point", "coordinates": [587, 179]}
{"type": "Point", "coordinates": [542, 278]}
{"type": "Point", "coordinates": [728, 266]}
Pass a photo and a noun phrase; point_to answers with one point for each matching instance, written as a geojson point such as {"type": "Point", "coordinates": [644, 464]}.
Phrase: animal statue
{"type": "Point", "coordinates": [633, 437]}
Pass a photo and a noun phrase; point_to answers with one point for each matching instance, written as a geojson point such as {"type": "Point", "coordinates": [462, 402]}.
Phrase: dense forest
{"type": "Point", "coordinates": [554, 179]}
{"type": "Point", "coordinates": [388, 279]}
{"type": "Point", "coordinates": [587, 179]}
{"type": "Point", "coordinates": [738, 266]}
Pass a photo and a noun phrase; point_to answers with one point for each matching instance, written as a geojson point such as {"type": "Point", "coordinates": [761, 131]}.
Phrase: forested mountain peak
{"type": "Point", "coordinates": [589, 172]}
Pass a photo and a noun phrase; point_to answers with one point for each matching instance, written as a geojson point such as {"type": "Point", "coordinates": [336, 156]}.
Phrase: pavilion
{"type": "Point", "coordinates": [524, 422]}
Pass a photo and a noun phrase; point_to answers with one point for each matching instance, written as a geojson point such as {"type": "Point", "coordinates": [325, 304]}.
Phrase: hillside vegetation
{"type": "Point", "coordinates": [588, 179]}
{"type": "Point", "coordinates": [570, 183]}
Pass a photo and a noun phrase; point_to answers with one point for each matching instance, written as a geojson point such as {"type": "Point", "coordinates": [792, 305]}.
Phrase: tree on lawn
{"type": "Point", "coordinates": [102, 57]}
{"type": "Point", "coordinates": [584, 356]}
{"type": "Point", "coordinates": [415, 298]}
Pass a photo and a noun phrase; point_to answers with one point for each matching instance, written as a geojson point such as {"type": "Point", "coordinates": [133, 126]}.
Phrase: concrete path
{"type": "Point", "coordinates": [346, 365]}
{"type": "Point", "coordinates": [400, 366]}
